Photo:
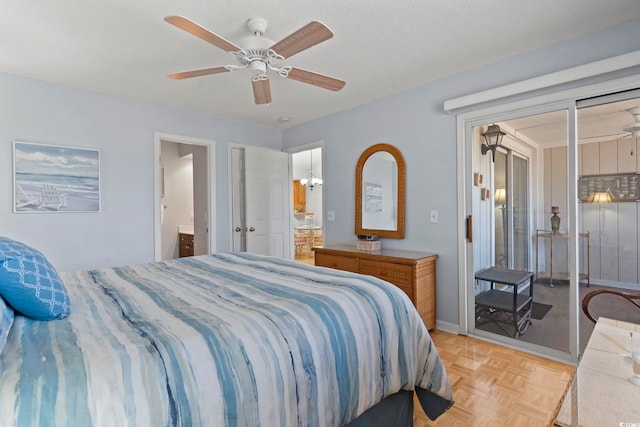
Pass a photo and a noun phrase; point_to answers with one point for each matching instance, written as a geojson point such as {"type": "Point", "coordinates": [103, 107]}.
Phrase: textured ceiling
{"type": "Point", "coordinates": [124, 47]}
{"type": "Point", "coordinates": [604, 122]}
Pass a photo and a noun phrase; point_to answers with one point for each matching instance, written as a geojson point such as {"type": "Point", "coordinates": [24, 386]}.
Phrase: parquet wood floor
{"type": "Point", "coordinates": [497, 386]}
{"type": "Point", "coordinates": [306, 257]}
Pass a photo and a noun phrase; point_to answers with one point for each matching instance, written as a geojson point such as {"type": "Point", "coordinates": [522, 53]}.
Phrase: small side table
{"type": "Point", "coordinates": [552, 274]}
{"type": "Point", "coordinates": [505, 307]}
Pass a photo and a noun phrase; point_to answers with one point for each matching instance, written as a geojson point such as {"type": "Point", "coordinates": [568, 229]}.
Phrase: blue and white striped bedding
{"type": "Point", "coordinates": [218, 340]}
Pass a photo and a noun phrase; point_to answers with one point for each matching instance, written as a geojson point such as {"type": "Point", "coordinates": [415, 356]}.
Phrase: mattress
{"type": "Point", "coordinates": [219, 340]}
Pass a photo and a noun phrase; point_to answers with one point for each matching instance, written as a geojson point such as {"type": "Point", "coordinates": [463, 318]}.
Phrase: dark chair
{"type": "Point", "coordinates": [633, 298]}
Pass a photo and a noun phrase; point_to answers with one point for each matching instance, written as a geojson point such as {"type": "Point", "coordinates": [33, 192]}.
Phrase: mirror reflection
{"type": "Point", "coordinates": [380, 192]}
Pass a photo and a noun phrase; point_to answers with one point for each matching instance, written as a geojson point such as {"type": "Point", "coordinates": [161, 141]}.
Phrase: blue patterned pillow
{"type": "Point", "coordinates": [6, 320]}
{"type": "Point", "coordinates": [30, 284]}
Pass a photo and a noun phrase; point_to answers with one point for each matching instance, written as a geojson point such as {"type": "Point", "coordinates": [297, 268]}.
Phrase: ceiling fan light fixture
{"type": "Point", "coordinates": [258, 66]}
{"type": "Point", "coordinates": [261, 54]}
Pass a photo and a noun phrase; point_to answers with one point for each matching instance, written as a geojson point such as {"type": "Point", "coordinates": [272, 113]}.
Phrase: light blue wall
{"type": "Point", "coordinates": [415, 122]}
{"type": "Point", "coordinates": [123, 130]}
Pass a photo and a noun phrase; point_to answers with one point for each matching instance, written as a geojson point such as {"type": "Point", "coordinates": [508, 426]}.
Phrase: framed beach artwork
{"type": "Point", "coordinates": [51, 178]}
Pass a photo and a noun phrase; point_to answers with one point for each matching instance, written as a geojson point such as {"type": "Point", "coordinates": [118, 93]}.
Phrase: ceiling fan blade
{"type": "Point", "coordinates": [261, 89]}
{"type": "Point", "coordinates": [310, 35]}
{"type": "Point", "coordinates": [316, 79]}
{"type": "Point", "coordinates": [196, 73]}
{"type": "Point", "coordinates": [192, 28]}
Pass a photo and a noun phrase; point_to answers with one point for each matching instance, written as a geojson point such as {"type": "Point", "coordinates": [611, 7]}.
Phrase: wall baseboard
{"type": "Point", "coordinates": [615, 284]}
{"type": "Point", "coordinates": [449, 327]}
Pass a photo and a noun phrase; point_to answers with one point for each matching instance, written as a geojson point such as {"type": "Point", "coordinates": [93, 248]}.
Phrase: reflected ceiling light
{"type": "Point", "coordinates": [493, 138]}
{"type": "Point", "coordinates": [634, 128]}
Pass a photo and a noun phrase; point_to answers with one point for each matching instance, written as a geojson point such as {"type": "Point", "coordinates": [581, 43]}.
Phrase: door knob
{"type": "Point", "coordinates": [237, 229]}
{"type": "Point", "coordinates": [252, 229]}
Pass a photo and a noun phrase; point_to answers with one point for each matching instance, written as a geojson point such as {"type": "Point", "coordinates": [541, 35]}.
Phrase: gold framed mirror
{"type": "Point", "coordinates": [380, 192]}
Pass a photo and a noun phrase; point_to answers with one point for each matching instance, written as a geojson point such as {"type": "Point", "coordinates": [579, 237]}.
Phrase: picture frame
{"type": "Point", "coordinates": [478, 179]}
{"type": "Point", "coordinates": [623, 187]}
{"type": "Point", "coordinates": [373, 196]}
{"type": "Point", "coordinates": [55, 178]}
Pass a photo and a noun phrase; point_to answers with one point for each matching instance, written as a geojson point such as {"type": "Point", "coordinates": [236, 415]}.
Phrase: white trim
{"type": "Point", "coordinates": [573, 243]}
{"type": "Point", "coordinates": [305, 147]}
{"type": "Point", "coordinates": [520, 345]}
{"type": "Point", "coordinates": [593, 69]}
{"type": "Point", "coordinates": [449, 327]}
{"type": "Point", "coordinates": [557, 100]}
{"type": "Point", "coordinates": [158, 137]}
{"type": "Point", "coordinates": [230, 148]}
{"type": "Point", "coordinates": [463, 244]}
{"type": "Point", "coordinates": [292, 151]}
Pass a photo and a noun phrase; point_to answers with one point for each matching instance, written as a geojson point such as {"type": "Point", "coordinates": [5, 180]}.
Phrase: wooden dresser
{"type": "Point", "coordinates": [413, 272]}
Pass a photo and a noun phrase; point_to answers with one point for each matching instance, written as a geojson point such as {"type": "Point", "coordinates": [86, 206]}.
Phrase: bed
{"type": "Point", "coordinates": [222, 340]}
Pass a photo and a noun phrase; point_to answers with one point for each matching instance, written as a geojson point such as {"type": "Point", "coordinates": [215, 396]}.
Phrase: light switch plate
{"type": "Point", "coordinates": [433, 217]}
{"type": "Point", "coordinates": [331, 216]}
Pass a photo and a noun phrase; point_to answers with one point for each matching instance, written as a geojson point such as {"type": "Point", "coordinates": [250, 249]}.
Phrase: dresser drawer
{"type": "Point", "coordinates": [337, 262]}
{"type": "Point", "coordinates": [186, 238]}
{"type": "Point", "coordinates": [413, 272]}
{"type": "Point", "coordinates": [397, 274]}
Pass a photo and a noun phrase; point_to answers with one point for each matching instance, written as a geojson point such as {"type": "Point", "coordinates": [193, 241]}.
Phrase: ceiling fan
{"type": "Point", "coordinates": [259, 54]}
{"type": "Point", "coordinates": [634, 128]}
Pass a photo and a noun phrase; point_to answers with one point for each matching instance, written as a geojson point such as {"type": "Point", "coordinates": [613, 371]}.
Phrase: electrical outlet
{"type": "Point", "coordinates": [433, 217]}
{"type": "Point", "coordinates": [331, 216]}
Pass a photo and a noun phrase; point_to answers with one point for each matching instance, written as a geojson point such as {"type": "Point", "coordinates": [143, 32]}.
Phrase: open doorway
{"type": "Point", "coordinates": [523, 202]}
{"type": "Point", "coordinates": [308, 211]}
{"type": "Point", "coordinates": [183, 213]}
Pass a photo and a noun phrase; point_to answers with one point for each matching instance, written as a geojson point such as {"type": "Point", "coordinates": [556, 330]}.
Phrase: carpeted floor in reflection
{"type": "Point", "coordinates": [539, 310]}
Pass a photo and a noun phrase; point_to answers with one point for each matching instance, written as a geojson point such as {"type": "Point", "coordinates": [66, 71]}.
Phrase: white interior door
{"type": "Point", "coordinates": [238, 214]}
{"type": "Point", "coordinates": [266, 202]}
